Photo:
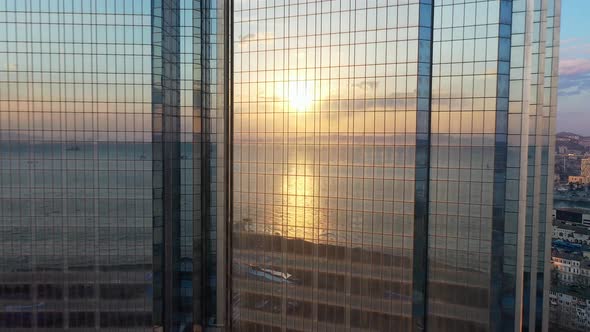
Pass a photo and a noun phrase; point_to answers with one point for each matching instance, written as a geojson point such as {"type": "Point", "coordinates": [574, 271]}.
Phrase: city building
{"type": "Point", "coordinates": [571, 136]}
{"type": "Point", "coordinates": [573, 216]}
{"type": "Point", "coordinates": [571, 233]}
{"type": "Point", "coordinates": [562, 149]}
{"type": "Point", "coordinates": [570, 269]}
{"type": "Point", "coordinates": [570, 309]}
{"type": "Point", "coordinates": [567, 263]}
{"type": "Point", "coordinates": [585, 168]}
{"type": "Point", "coordinates": [184, 165]}
{"type": "Point", "coordinates": [577, 179]}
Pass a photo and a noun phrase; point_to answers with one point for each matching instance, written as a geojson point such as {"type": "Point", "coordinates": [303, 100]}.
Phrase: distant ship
{"type": "Point", "coordinates": [73, 148]}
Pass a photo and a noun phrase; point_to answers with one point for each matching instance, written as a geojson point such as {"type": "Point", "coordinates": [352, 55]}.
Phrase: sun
{"type": "Point", "coordinates": [300, 95]}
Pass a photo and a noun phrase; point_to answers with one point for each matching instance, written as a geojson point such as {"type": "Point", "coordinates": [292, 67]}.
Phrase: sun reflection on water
{"type": "Point", "coordinates": [300, 215]}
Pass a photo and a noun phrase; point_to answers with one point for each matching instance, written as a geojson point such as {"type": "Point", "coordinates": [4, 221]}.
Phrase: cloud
{"type": "Point", "coordinates": [572, 67]}
{"type": "Point", "coordinates": [574, 76]}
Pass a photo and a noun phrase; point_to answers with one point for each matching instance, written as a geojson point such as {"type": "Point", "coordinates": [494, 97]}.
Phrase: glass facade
{"type": "Point", "coordinates": [328, 176]}
{"type": "Point", "coordinates": [76, 168]}
{"type": "Point", "coordinates": [468, 149]}
{"type": "Point", "coordinates": [276, 165]}
{"type": "Point", "coordinates": [111, 127]}
{"type": "Point", "coordinates": [391, 164]}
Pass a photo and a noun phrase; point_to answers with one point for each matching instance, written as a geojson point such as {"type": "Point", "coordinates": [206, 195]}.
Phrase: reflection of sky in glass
{"type": "Point", "coordinates": [352, 77]}
{"type": "Point", "coordinates": [324, 79]}
{"type": "Point", "coordinates": [325, 111]}
{"type": "Point", "coordinates": [341, 79]}
{"type": "Point", "coordinates": [76, 175]}
{"type": "Point", "coordinates": [84, 66]}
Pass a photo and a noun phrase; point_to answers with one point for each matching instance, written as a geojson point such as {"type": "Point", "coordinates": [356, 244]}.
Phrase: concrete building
{"type": "Point", "coordinates": [571, 233]}
{"type": "Point", "coordinates": [567, 263]}
{"type": "Point", "coordinates": [585, 168]}
{"type": "Point", "coordinates": [578, 179]}
{"type": "Point", "coordinates": [574, 216]}
{"type": "Point", "coordinates": [570, 308]}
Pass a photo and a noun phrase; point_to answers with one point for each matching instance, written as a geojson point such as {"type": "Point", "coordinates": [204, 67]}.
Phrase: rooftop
{"type": "Point", "coordinates": [574, 210]}
{"type": "Point", "coordinates": [580, 292]}
{"type": "Point", "coordinates": [566, 255]}
{"type": "Point", "coordinates": [575, 228]}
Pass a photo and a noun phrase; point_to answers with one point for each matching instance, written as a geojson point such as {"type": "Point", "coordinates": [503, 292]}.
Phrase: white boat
{"type": "Point", "coordinates": [270, 274]}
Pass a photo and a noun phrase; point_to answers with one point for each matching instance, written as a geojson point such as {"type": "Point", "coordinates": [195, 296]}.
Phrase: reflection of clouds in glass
{"type": "Point", "coordinates": [247, 40]}
{"type": "Point", "coordinates": [366, 84]}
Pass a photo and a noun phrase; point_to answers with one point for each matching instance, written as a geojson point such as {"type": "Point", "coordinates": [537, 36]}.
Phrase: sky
{"type": "Point", "coordinates": [573, 103]}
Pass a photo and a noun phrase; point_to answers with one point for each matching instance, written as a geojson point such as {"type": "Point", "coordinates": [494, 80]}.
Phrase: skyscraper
{"type": "Point", "coordinates": [276, 165]}
{"type": "Point", "coordinates": [112, 164]}
{"type": "Point", "coordinates": [392, 164]}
